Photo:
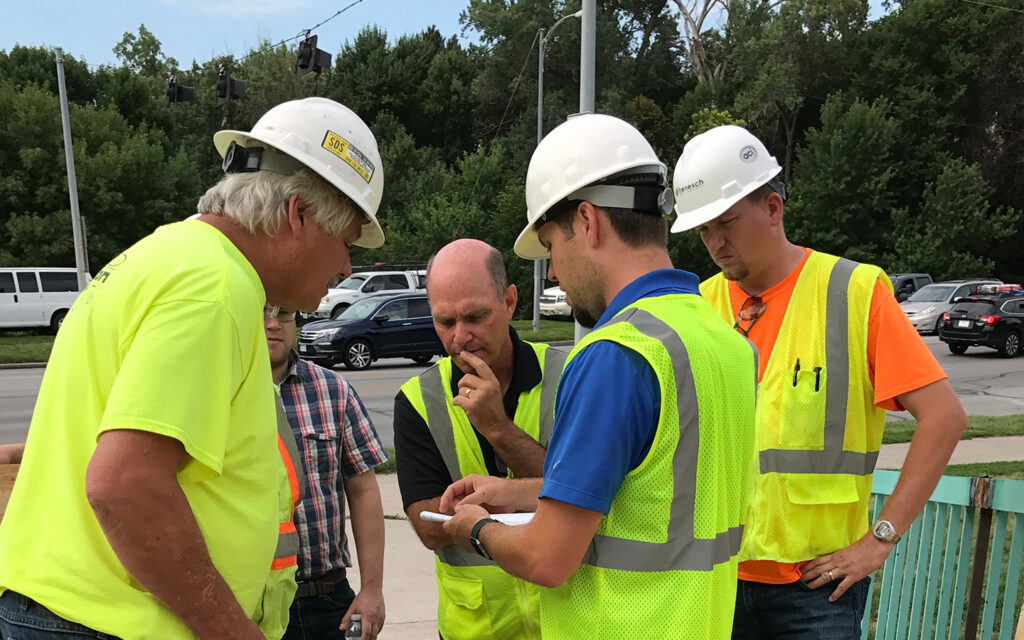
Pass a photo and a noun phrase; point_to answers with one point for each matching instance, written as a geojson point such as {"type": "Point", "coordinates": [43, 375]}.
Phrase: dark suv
{"type": "Point", "coordinates": [988, 320]}
{"type": "Point", "coordinates": [377, 326]}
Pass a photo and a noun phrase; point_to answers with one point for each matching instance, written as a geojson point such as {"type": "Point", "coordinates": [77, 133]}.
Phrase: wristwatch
{"type": "Point", "coordinates": [474, 537]}
{"type": "Point", "coordinates": [885, 531]}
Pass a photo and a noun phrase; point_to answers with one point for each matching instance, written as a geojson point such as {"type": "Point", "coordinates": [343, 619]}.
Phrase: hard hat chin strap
{"type": "Point", "coordinates": [656, 200]}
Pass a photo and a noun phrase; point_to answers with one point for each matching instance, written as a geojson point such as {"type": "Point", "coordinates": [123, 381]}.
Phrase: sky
{"type": "Point", "coordinates": [201, 29]}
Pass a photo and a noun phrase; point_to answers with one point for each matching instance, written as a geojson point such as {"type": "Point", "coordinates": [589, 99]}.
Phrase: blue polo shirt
{"type": "Point", "coordinates": [606, 411]}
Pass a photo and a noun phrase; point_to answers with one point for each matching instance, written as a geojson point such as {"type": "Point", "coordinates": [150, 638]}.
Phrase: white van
{"type": "Point", "coordinates": [36, 296]}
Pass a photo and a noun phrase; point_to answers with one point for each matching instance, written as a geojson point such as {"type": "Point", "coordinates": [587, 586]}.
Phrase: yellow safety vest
{"type": "Point", "coordinates": [663, 561]}
{"type": "Point", "coordinates": [819, 431]}
{"type": "Point", "coordinates": [477, 600]}
{"type": "Point", "coordinates": [272, 613]}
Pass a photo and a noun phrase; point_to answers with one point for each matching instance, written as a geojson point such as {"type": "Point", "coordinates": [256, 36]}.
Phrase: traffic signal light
{"type": "Point", "coordinates": [177, 93]}
{"type": "Point", "coordinates": [227, 87]}
{"type": "Point", "coordinates": [310, 58]}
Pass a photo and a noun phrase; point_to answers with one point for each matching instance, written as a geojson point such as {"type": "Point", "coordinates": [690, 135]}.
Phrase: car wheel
{"type": "Point", "coordinates": [1010, 346]}
{"type": "Point", "coordinates": [957, 349]}
{"type": "Point", "coordinates": [422, 359]}
{"type": "Point", "coordinates": [338, 310]}
{"type": "Point", "coordinates": [358, 355]}
{"type": "Point", "coordinates": [57, 320]}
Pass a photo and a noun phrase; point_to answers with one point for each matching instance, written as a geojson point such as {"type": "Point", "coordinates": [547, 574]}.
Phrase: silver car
{"type": "Point", "coordinates": [924, 308]}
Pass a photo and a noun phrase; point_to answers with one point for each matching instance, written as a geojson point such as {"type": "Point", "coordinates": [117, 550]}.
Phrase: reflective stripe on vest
{"type": "Point", "coordinates": [440, 424]}
{"type": "Point", "coordinates": [831, 458]}
{"type": "Point", "coordinates": [681, 551]}
{"type": "Point", "coordinates": [286, 553]}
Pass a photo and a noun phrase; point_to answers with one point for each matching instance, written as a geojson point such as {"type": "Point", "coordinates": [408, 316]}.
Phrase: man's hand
{"type": "Point", "coordinates": [370, 605]}
{"type": "Point", "coordinates": [496, 495]}
{"type": "Point", "coordinates": [849, 565]}
{"type": "Point", "coordinates": [461, 524]}
{"type": "Point", "coordinates": [12, 453]}
{"type": "Point", "coordinates": [480, 396]}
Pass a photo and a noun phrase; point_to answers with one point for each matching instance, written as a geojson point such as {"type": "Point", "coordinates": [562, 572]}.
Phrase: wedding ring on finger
{"type": "Point", "coordinates": [830, 576]}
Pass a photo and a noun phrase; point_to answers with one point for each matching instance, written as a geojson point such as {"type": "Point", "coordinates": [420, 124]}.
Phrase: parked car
{"type": "Point", "coordinates": [383, 325]}
{"type": "Point", "coordinates": [904, 284]}
{"type": "Point", "coordinates": [359, 285]}
{"type": "Point", "coordinates": [37, 296]}
{"type": "Point", "coordinates": [993, 320]}
{"type": "Point", "coordinates": [924, 308]}
{"type": "Point", "coordinates": [553, 305]}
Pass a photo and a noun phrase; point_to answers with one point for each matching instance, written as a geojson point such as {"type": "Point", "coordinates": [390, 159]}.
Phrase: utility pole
{"type": "Point", "coordinates": [588, 46]}
{"type": "Point", "coordinates": [69, 157]}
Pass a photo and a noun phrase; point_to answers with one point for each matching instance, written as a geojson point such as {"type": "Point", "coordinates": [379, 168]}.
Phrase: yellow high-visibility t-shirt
{"type": "Point", "coordinates": [167, 338]}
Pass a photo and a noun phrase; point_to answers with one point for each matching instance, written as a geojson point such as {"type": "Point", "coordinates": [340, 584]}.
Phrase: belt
{"type": "Point", "coordinates": [327, 583]}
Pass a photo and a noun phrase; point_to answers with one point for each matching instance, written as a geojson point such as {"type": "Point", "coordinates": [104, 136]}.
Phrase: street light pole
{"type": "Point", "coordinates": [542, 39]}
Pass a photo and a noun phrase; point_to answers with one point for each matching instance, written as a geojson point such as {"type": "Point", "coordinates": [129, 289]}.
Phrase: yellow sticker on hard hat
{"type": "Point", "coordinates": [350, 154]}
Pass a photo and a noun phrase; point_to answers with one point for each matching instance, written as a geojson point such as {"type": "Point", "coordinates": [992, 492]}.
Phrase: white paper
{"type": "Point", "coordinates": [504, 518]}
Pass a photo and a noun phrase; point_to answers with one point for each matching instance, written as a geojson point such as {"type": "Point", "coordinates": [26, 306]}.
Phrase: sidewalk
{"type": "Point", "coordinates": [410, 592]}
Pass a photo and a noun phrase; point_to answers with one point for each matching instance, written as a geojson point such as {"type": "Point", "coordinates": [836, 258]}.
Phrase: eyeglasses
{"type": "Point", "coordinates": [271, 311]}
{"type": "Point", "coordinates": [751, 309]}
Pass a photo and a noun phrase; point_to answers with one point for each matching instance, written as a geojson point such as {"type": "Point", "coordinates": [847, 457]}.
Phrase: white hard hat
{"type": "Point", "coordinates": [717, 168]}
{"type": "Point", "coordinates": [575, 162]}
{"type": "Point", "coordinates": [323, 136]}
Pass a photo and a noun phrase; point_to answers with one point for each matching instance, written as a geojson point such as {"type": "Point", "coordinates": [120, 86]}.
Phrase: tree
{"type": "Point", "coordinates": [955, 228]}
{"type": "Point", "coordinates": [840, 197]}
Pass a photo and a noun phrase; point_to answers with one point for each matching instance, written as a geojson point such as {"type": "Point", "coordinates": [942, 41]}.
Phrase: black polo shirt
{"type": "Point", "coordinates": [422, 473]}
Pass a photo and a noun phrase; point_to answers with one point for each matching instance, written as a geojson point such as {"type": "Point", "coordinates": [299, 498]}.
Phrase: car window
{"type": "Point", "coordinates": [27, 282]}
{"type": "Point", "coordinates": [421, 281]}
{"type": "Point", "coordinates": [1013, 306]}
{"type": "Point", "coordinates": [376, 283]}
{"type": "Point", "coordinates": [397, 281]}
{"type": "Point", "coordinates": [921, 282]}
{"type": "Point", "coordinates": [965, 290]}
{"type": "Point", "coordinates": [352, 282]}
{"type": "Point", "coordinates": [7, 283]}
{"type": "Point", "coordinates": [59, 281]}
{"type": "Point", "coordinates": [395, 310]}
{"type": "Point", "coordinates": [419, 308]}
{"type": "Point", "coordinates": [974, 308]}
{"type": "Point", "coordinates": [359, 311]}
{"type": "Point", "coordinates": [932, 293]}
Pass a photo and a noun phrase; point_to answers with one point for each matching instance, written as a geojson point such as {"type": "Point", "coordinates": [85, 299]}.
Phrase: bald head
{"type": "Point", "coordinates": [472, 303]}
{"type": "Point", "coordinates": [468, 258]}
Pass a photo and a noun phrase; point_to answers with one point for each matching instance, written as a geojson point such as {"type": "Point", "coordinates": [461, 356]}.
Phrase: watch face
{"type": "Point", "coordinates": [883, 529]}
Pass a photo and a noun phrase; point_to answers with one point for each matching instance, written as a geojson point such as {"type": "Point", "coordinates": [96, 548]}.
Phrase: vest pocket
{"type": "Point", "coordinates": [821, 488]}
{"type": "Point", "coordinates": [463, 612]}
{"type": "Point", "coordinates": [803, 409]}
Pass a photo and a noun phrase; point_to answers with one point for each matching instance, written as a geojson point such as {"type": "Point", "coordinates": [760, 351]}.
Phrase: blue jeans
{"type": "Point", "coordinates": [796, 612]}
{"type": "Point", "coordinates": [320, 616]}
{"type": "Point", "coordinates": [22, 618]}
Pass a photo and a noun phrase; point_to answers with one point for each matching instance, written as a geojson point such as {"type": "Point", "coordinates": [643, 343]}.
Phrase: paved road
{"type": "Point", "coordinates": [986, 383]}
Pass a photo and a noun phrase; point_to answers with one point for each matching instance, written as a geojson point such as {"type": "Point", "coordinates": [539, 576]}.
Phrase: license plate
{"type": "Point", "coordinates": [964, 324]}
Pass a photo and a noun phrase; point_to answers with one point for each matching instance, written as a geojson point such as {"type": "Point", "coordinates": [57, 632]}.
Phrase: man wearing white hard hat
{"type": "Point", "coordinates": [835, 353]}
{"type": "Point", "coordinates": [646, 478]}
{"type": "Point", "coordinates": [152, 501]}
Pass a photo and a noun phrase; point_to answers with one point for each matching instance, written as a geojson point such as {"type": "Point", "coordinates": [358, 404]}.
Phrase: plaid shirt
{"type": "Point", "coordinates": [336, 440]}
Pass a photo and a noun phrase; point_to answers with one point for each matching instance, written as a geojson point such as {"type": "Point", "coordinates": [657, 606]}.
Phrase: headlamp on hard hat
{"type": "Point", "coordinates": [239, 159]}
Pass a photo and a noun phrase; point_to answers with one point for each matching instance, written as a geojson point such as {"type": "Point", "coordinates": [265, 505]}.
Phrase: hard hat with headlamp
{"type": "Point", "coordinates": [320, 135]}
{"type": "Point", "coordinates": [597, 158]}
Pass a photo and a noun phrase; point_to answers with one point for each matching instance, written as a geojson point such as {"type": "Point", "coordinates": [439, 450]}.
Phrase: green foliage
{"type": "Point", "coordinates": [954, 228]}
{"type": "Point", "coordinates": [899, 138]}
{"type": "Point", "coordinates": [977, 427]}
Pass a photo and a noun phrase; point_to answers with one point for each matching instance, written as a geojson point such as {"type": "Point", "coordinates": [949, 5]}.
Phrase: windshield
{"type": "Point", "coordinates": [932, 293]}
{"type": "Point", "coordinates": [352, 282]}
{"type": "Point", "coordinates": [359, 311]}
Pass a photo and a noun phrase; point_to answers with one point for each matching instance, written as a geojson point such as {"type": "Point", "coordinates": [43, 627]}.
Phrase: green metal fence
{"type": "Point", "coordinates": [953, 575]}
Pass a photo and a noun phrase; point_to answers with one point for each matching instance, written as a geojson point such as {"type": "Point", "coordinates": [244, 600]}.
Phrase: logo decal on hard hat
{"type": "Point", "coordinates": [687, 188]}
{"type": "Point", "coordinates": [350, 154]}
{"type": "Point", "coordinates": [748, 153]}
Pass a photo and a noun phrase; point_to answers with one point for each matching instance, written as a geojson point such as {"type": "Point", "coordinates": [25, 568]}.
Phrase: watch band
{"type": "Point", "coordinates": [474, 537]}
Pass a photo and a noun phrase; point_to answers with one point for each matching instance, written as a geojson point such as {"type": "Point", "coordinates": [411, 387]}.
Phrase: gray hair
{"type": "Point", "coordinates": [258, 200]}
